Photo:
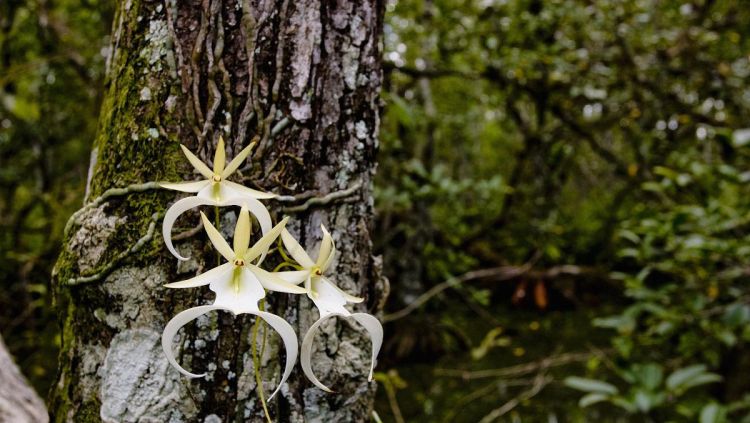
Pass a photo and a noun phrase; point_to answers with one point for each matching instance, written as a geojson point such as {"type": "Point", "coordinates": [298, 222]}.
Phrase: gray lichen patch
{"type": "Point", "coordinates": [145, 94]}
{"type": "Point", "coordinates": [91, 358]}
{"type": "Point", "coordinates": [158, 44]}
{"type": "Point", "coordinates": [135, 287]}
{"type": "Point", "coordinates": [361, 129]}
{"type": "Point", "coordinates": [316, 408]}
{"type": "Point", "coordinates": [227, 224]}
{"type": "Point", "coordinates": [187, 266]}
{"type": "Point", "coordinates": [300, 109]}
{"type": "Point", "coordinates": [137, 382]}
{"type": "Point", "coordinates": [352, 360]}
{"type": "Point", "coordinates": [91, 241]}
{"type": "Point", "coordinates": [307, 33]}
{"type": "Point", "coordinates": [350, 65]}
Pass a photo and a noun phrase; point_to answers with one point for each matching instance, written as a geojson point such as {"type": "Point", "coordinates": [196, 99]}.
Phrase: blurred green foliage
{"type": "Point", "coordinates": [592, 157]}
{"type": "Point", "coordinates": [562, 199]}
{"type": "Point", "coordinates": [51, 70]}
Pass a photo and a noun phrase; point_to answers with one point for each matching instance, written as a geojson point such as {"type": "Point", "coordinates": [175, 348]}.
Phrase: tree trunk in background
{"type": "Point", "coordinates": [305, 76]}
{"type": "Point", "coordinates": [19, 403]}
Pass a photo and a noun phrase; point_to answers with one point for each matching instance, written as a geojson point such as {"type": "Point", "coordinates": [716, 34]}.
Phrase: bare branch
{"type": "Point", "coordinates": [501, 273]}
{"type": "Point", "coordinates": [539, 383]}
{"type": "Point", "coordinates": [517, 370]}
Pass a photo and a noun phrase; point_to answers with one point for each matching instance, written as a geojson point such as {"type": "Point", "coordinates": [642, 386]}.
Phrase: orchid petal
{"type": "Point", "coordinates": [261, 247]}
{"type": "Point", "coordinates": [326, 297]}
{"type": "Point", "coordinates": [370, 323]}
{"type": "Point", "coordinates": [209, 192]}
{"type": "Point", "coordinates": [174, 325]}
{"type": "Point", "coordinates": [326, 250]}
{"type": "Point", "coordinates": [306, 353]}
{"type": "Point", "coordinates": [308, 287]}
{"type": "Point", "coordinates": [349, 297]}
{"type": "Point", "coordinates": [375, 329]}
{"type": "Point", "coordinates": [285, 331]}
{"type": "Point", "coordinates": [239, 292]}
{"type": "Point", "coordinates": [219, 242]}
{"type": "Point", "coordinates": [272, 282]}
{"type": "Point", "coordinates": [237, 161]}
{"type": "Point", "coordinates": [289, 337]}
{"type": "Point", "coordinates": [220, 157]}
{"type": "Point", "coordinates": [329, 260]}
{"type": "Point", "coordinates": [295, 250]}
{"type": "Point", "coordinates": [294, 276]}
{"type": "Point", "coordinates": [259, 211]}
{"type": "Point", "coordinates": [241, 190]}
{"type": "Point", "coordinates": [197, 163]}
{"type": "Point", "coordinates": [242, 233]}
{"type": "Point", "coordinates": [184, 186]}
{"type": "Point", "coordinates": [177, 209]}
{"type": "Point", "coordinates": [204, 278]}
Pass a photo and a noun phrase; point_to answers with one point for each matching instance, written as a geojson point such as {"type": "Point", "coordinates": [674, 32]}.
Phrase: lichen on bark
{"type": "Point", "coordinates": [308, 71]}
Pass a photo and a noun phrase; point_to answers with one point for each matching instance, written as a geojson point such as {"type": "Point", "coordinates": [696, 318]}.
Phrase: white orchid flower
{"type": "Point", "coordinates": [216, 190]}
{"type": "Point", "coordinates": [239, 285]}
{"type": "Point", "coordinates": [328, 298]}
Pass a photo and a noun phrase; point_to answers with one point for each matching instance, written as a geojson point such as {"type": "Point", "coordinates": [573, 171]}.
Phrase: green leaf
{"type": "Point", "coordinates": [741, 137]}
{"type": "Point", "coordinates": [689, 377]}
{"type": "Point", "coordinates": [643, 401]}
{"type": "Point", "coordinates": [590, 385]}
{"type": "Point", "coordinates": [591, 399]}
{"type": "Point", "coordinates": [680, 376]}
{"type": "Point", "coordinates": [727, 337]}
{"type": "Point", "coordinates": [649, 375]}
{"type": "Point", "coordinates": [624, 404]}
{"type": "Point", "coordinates": [703, 379]}
{"type": "Point", "coordinates": [622, 323]}
{"type": "Point", "coordinates": [737, 315]}
{"type": "Point", "coordinates": [712, 413]}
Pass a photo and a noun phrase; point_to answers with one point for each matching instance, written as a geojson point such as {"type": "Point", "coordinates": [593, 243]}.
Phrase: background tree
{"type": "Point", "coordinates": [304, 77]}
{"type": "Point", "coordinates": [18, 401]}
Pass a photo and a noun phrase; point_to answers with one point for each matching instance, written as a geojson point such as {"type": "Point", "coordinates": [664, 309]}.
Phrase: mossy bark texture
{"type": "Point", "coordinates": [302, 75]}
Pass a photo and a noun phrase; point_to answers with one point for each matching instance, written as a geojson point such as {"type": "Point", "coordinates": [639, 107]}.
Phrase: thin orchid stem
{"type": "Point", "coordinates": [256, 362]}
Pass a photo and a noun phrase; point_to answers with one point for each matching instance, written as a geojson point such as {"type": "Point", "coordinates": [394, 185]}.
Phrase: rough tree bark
{"type": "Point", "coordinates": [303, 75]}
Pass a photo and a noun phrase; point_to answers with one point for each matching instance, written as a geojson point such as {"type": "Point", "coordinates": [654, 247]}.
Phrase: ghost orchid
{"type": "Point", "coordinates": [216, 190]}
{"type": "Point", "coordinates": [239, 285]}
{"type": "Point", "coordinates": [328, 298]}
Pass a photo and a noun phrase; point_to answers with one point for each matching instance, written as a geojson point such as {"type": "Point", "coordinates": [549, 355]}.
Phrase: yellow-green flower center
{"type": "Point", "coordinates": [216, 178]}
{"type": "Point", "coordinates": [239, 262]}
{"type": "Point", "coordinates": [317, 272]}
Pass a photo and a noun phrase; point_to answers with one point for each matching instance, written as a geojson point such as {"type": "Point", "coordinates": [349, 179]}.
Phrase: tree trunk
{"type": "Point", "coordinates": [19, 403]}
{"type": "Point", "coordinates": [304, 76]}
